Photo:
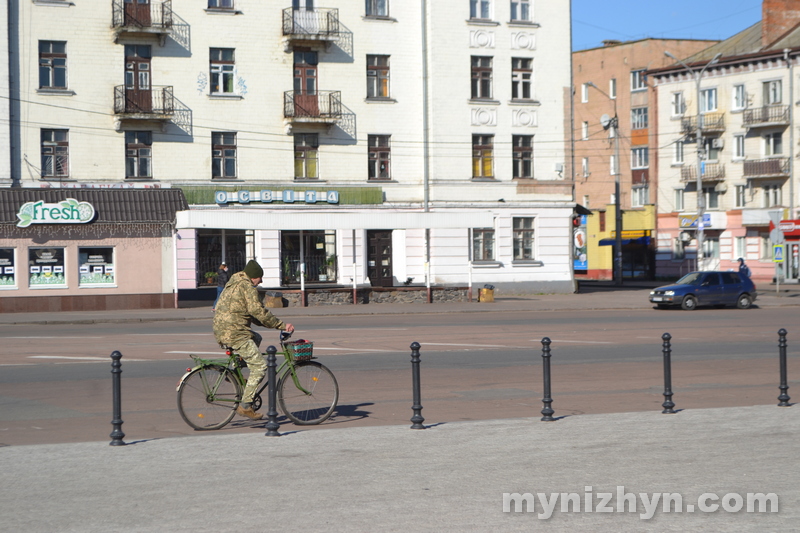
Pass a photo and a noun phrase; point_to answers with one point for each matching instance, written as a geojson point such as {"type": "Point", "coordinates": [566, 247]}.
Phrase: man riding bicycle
{"type": "Point", "coordinates": [239, 306]}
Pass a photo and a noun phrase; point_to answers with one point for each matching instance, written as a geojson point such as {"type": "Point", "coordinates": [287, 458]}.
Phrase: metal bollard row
{"type": "Point", "coordinates": [272, 411]}
{"type": "Point", "coordinates": [116, 385]}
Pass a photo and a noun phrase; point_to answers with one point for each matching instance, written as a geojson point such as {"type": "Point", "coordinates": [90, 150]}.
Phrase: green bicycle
{"type": "Point", "coordinates": [210, 391]}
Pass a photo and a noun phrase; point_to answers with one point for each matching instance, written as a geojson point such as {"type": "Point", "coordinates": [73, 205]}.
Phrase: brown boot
{"type": "Point", "coordinates": [248, 412]}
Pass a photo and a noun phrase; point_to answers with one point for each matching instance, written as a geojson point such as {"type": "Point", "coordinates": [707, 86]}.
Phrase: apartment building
{"type": "Point", "coordinates": [742, 110]}
{"type": "Point", "coordinates": [613, 96]}
{"type": "Point", "coordinates": [383, 142]}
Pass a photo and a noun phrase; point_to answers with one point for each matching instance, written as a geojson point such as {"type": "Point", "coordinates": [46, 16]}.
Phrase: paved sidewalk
{"type": "Point", "coordinates": [450, 477]}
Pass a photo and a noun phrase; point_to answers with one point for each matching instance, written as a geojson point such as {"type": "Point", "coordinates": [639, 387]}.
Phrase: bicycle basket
{"type": "Point", "coordinates": [301, 350]}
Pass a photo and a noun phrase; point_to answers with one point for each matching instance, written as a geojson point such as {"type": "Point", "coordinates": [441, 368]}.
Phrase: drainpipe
{"type": "Point", "coordinates": [355, 271]}
{"type": "Point", "coordinates": [789, 65]}
{"type": "Point", "coordinates": [425, 141]}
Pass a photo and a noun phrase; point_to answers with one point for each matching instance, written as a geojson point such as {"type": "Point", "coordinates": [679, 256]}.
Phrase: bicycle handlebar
{"type": "Point", "coordinates": [285, 335]}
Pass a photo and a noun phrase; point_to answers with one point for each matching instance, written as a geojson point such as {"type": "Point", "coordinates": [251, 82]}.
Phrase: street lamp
{"type": "Point", "coordinates": [701, 201]}
{"type": "Point", "coordinates": [613, 124]}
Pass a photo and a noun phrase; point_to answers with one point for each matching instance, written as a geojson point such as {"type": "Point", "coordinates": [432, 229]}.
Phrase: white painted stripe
{"type": "Point", "coordinates": [353, 349]}
{"type": "Point", "coordinates": [580, 342]}
{"type": "Point", "coordinates": [168, 334]}
{"type": "Point", "coordinates": [54, 337]}
{"type": "Point", "coordinates": [87, 358]}
{"type": "Point", "coordinates": [475, 345]}
{"type": "Point", "coordinates": [357, 329]}
{"type": "Point", "coordinates": [220, 354]}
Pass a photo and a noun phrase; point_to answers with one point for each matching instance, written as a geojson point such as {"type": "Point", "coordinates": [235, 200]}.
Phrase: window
{"type": "Point", "coordinates": [739, 97]}
{"type": "Point", "coordinates": [223, 155]}
{"type": "Point", "coordinates": [771, 196]}
{"type": "Point", "coordinates": [483, 244]}
{"type": "Point", "coordinates": [678, 105]}
{"type": "Point", "coordinates": [52, 64]}
{"type": "Point", "coordinates": [640, 157]}
{"type": "Point", "coordinates": [773, 144]}
{"type": "Point", "coordinates": [584, 93]}
{"type": "Point", "coordinates": [46, 267]}
{"type": "Point", "coordinates": [640, 196]}
{"type": "Point", "coordinates": [638, 118]}
{"type": "Point", "coordinates": [481, 77]}
{"type": "Point", "coordinates": [585, 169]}
{"type": "Point", "coordinates": [523, 238]}
{"type": "Point", "coordinates": [482, 156]}
{"type": "Point", "coordinates": [602, 220]}
{"type": "Point", "coordinates": [679, 200]}
{"type": "Point", "coordinates": [738, 146]}
{"type": "Point", "coordinates": [708, 100]}
{"type": "Point", "coordinates": [766, 247]}
{"type": "Point", "coordinates": [480, 9]}
{"type": "Point", "coordinates": [55, 153]}
{"type": "Point", "coordinates": [740, 247]}
{"type": "Point", "coordinates": [306, 146]}
{"type": "Point", "coordinates": [220, 4]}
{"type": "Point", "coordinates": [638, 80]}
{"type": "Point", "coordinates": [711, 251]}
{"type": "Point", "coordinates": [521, 78]}
{"type": "Point", "coordinates": [711, 147]}
{"type": "Point", "coordinates": [379, 157]}
{"type": "Point", "coordinates": [712, 197]}
{"type": "Point", "coordinates": [523, 155]}
{"type": "Point", "coordinates": [585, 131]}
{"type": "Point", "coordinates": [612, 88]}
{"type": "Point", "coordinates": [741, 195]}
{"type": "Point", "coordinates": [677, 154]}
{"type": "Point", "coordinates": [138, 154]}
{"type": "Point", "coordinates": [377, 8]}
{"type": "Point", "coordinates": [521, 11]}
{"type": "Point", "coordinates": [679, 249]}
{"type": "Point", "coordinates": [96, 267]}
{"type": "Point", "coordinates": [586, 196]}
{"type": "Point", "coordinates": [772, 92]}
{"type": "Point", "coordinates": [222, 70]}
{"type": "Point", "coordinates": [377, 76]}
{"type": "Point", "coordinates": [8, 272]}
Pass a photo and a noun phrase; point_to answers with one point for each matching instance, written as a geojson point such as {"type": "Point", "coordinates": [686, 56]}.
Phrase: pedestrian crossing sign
{"type": "Point", "coordinates": [777, 253]}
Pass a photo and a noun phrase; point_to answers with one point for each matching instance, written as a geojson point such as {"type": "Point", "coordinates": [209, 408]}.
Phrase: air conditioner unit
{"type": "Point", "coordinates": [559, 167]}
{"type": "Point", "coordinates": [717, 143]}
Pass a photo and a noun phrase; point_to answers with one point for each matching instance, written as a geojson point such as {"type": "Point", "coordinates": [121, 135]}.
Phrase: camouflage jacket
{"type": "Point", "coordinates": [238, 307]}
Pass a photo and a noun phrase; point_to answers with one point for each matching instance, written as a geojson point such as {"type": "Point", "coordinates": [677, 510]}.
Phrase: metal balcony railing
{"type": "Point", "coordinates": [766, 168]}
{"type": "Point", "coordinates": [711, 172]}
{"type": "Point", "coordinates": [155, 102]}
{"type": "Point", "coordinates": [323, 105]}
{"type": "Point", "coordinates": [708, 122]}
{"type": "Point", "coordinates": [140, 15]}
{"type": "Point", "coordinates": [321, 23]}
{"type": "Point", "coordinates": [767, 115]}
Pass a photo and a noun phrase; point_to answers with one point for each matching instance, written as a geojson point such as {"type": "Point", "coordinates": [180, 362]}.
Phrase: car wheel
{"type": "Point", "coordinates": [689, 303]}
{"type": "Point", "coordinates": [744, 301]}
{"type": "Point", "coordinates": [663, 306]}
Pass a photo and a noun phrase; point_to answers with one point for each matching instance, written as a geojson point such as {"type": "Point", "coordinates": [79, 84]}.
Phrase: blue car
{"type": "Point", "coordinates": [706, 288]}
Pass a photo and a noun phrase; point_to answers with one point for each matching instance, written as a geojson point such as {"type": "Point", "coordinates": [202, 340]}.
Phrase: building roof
{"type": "Point", "coordinates": [745, 42]}
{"type": "Point", "coordinates": [111, 205]}
{"type": "Point", "coordinates": [613, 43]}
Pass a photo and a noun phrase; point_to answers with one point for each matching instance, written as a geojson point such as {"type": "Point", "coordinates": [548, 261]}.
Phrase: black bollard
{"type": "Point", "coordinates": [547, 411]}
{"type": "Point", "coordinates": [668, 403]}
{"type": "Point", "coordinates": [784, 397]}
{"type": "Point", "coordinates": [116, 369]}
{"type": "Point", "coordinates": [417, 419]}
{"type": "Point", "coordinates": [272, 413]}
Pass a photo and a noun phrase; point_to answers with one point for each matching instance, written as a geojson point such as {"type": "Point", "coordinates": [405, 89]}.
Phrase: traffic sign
{"type": "Point", "coordinates": [777, 253]}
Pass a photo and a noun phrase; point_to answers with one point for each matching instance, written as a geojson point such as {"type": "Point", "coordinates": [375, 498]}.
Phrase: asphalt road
{"type": "Point", "coordinates": [55, 381]}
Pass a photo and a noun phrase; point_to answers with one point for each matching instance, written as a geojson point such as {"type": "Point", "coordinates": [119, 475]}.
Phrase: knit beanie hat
{"type": "Point", "coordinates": [253, 269]}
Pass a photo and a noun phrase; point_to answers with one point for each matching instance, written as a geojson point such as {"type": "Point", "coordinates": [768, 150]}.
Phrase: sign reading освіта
{"type": "Point", "coordinates": [70, 211]}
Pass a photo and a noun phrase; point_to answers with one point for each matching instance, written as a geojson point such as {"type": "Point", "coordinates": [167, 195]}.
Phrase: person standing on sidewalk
{"type": "Point", "coordinates": [222, 280]}
{"type": "Point", "coordinates": [744, 270]}
{"type": "Point", "coordinates": [238, 307]}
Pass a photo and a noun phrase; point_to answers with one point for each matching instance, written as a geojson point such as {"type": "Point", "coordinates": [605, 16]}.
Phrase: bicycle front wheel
{"type": "Point", "coordinates": [323, 393]}
{"type": "Point", "coordinates": [208, 396]}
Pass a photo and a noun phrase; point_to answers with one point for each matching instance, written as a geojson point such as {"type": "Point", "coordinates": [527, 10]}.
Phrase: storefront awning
{"type": "Point", "coordinates": [644, 241]}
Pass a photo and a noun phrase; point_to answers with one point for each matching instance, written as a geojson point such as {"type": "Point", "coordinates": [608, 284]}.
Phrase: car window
{"type": "Point", "coordinates": [711, 279]}
{"type": "Point", "coordinates": [730, 278]}
{"type": "Point", "coordinates": [693, 278]}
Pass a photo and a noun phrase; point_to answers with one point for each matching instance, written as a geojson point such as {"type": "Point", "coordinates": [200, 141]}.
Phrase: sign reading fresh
{"type": "Point", "coordinates": [70, 211]}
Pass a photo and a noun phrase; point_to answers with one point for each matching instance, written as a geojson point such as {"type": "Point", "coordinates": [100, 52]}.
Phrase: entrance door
{"type": "Point", "coordinates": [305, 84]}
{"type": "Point", "coordinates": [137, 13]}
{"type": "Point", "coordinates": [138, 88]}
{"type": "Point", "coordinates": [379, 258]}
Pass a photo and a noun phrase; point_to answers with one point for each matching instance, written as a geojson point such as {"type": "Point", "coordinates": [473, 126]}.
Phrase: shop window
{"type": "Point", "coordinates": [8, 272]}
{"type": "Point", "coordinates": [319, 256]}
{"type": "Point", "coordinates": [46, 268]}
{"type": "Point", "coordinates": [96, 267]}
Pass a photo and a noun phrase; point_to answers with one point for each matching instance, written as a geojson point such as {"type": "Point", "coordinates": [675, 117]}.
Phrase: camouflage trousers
{"type": "Point", "coordinates": [255, 362]}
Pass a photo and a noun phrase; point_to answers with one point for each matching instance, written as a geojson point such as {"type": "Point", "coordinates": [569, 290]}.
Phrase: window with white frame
{"type": "Point", "coordinates": [677, 153]}
{"type": "Point", "coordinates": [739, 98]}
{"type": "Point", "coordinates": [766, 247]}
{"type": "Point", "coordinates": [521, 78]}
{"type": "Point", "coordinates": [377, 8]}
{"type": "Point", "coordinates": [379, 158]}
{"type": "Point", "coordinates": [773, 144]}
{"type": "Point", "coordinates": [523, 156]}
{"type": "Point", "coordinates": [483, 244]}
{"type": "Point", "coordinates": [773, 94]}
{"type": "Point", "coordinates": [46, 268]}
{"type": "Point", "coordinates": [483, 156]}
{"type": "Point", "coordinates": [711, 247]}
{"type": "Point", "coordinates": [523, 238]}
{"type": "Point", "coordinates": [640, 196]}
{"type": "Point", "coordinates": [712, 197]}
{"type": "Point", "coordinates": [738, 146]}
{"type": "Point", "coordinates": [585, 131]}
{"type": "Point", "coordinates": [638, 118]}
{"type": "Point", "coordinates": [377, 76]}
{"type": "Point", "coordinates": [711, 147]}
{"type": "Point", "coordinates": [708, 100]}
{"type": "Point", "coordinates": [223, 155]}
{"type": "Point", "coordinates": [741, 196]}
{"type": "Point", "coordinates": [679, 200]}
{"type": "Point", "coordinates": [479, 9]}
{"type": "Point", "coordinates": [584, 93]}
{"type": "Point", "coordinates": [8, 270]}
{"type": "Point", "coordinates": [96, 267]}
{"type": "Point", "coordinates": [585, 167]}
{"type": "Point", "coordinates": [640, 157]}
{"type": "Point", "coordinates": [52, 64]}
{"type": "Point", "coordinates": [771, 196]}
{"type": "Point", "coordinates": [638, 80]}
{"type": "Point", "coordinates": [678, 104]}
{"type": "Point", "coordinates": [521, 10]}
{"type": "Point", "coordinates": [222, 67]}
{"type": "Point", "coordinates": [612, 88]}
{"type": "Point", "coordinates": [739, 247]}
{"type": "Point", "coordinates": [218, 4]}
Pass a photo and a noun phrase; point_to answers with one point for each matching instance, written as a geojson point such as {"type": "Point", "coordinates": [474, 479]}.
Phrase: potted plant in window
{"type": "Point", "coordinates": [211, 277]}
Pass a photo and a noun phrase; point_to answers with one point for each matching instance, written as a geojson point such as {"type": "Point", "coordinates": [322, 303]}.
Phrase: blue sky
{"type": "Point", "coordinates": [596, 20]}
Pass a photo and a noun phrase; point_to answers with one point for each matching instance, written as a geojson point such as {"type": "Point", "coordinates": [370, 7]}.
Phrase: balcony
{"type": "Point", "coordinates": [321, 107]}
{"type": "Point", "coordinates": [709, 122]}
{"type": "Point", "coordinates": [156, 104]}
{"type": "Point", "coordinates": [711, 172]}
{"type": "Point", "coordinates": [310, 27]}
{"type": "Point", "coordinates": [137, 19]}
{"type": "Point", "coordinates": [761, 117]}
{"type": "Point", "coordinates": [777, 167]}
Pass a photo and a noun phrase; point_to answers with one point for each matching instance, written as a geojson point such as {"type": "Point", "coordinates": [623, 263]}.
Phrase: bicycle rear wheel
{"type": "Point", "coordinates": [308, 409]}
{"type": "Point", "coordinates": [208, 396]}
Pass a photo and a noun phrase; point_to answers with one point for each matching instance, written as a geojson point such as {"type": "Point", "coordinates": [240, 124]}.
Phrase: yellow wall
{"type": "Point", "coordinates": [601, 257]}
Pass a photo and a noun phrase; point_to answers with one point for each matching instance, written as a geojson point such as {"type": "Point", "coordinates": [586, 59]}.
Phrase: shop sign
{"type": "Point", "coordinates": [690, 221]}
{"type": "Point", "coordinates": [632, 234]}
{"type": "Point", "coordinates": [70, 211]}
{"type": "Point", "coordinates": [267, 197]}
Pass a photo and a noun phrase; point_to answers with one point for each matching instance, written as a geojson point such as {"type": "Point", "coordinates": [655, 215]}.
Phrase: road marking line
{"type": "Point", "coordinates": [54, 337]}
{"type": "Point", "coordinates": [475, 345]}
{"type": "Point", "coordinates": [87, 358]}
{"type": "Point", "coordinates": [169, 334]}
{"type": "Point", "coordinates": [580, 342]}
{"type": "Point", "coordinates": [221, 354]}
{"type": "Point", "coordinates": [353, 349]}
